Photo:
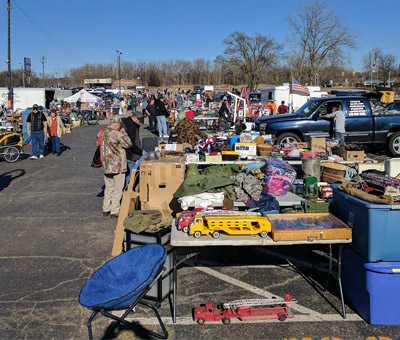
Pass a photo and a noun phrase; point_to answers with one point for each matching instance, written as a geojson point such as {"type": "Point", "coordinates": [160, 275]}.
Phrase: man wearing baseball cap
{"type": "Point", "coordinates": [114, 141]}
{"type": "Point", "coordinates": [37, 130]}
{"type": "Point", "coordinates": [132, 127]}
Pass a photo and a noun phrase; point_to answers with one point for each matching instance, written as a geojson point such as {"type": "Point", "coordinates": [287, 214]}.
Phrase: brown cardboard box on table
{"type": "Point", "coordinates": [318, 144]}
{"type": "Point", "coordinates": [301, 145]}
{"type": "Point", "coordinates": [158, 182]}
{"type": "Point", "coordinates": [349, 155]}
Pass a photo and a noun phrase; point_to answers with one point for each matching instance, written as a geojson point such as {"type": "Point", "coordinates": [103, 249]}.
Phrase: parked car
{"type": "Point", "coordinates": [362, 126]}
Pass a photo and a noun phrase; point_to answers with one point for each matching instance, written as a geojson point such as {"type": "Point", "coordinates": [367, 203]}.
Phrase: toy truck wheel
{"type": "Point", "coordinates": [263, 234]}
{"type": "Point", "coordinates": [282, 317]}
{"type": "Point", "coordinates": [216, 234]}
{"type": "Point", "coordinates": [226, 321]}
{"type": "Point", "coordinates": [197, 234]}
{"type": "Point", "coordinates": [185, 229]}
{"type": "Point", "coordinates": [200, 321]}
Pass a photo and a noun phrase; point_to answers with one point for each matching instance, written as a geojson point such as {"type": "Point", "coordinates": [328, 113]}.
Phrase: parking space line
{"type": "Point", "coordinates": [254, 290]}
{"type": "Point", "coordinates": [181, 321]}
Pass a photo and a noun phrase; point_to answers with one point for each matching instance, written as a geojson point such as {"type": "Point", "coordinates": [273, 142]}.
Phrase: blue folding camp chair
{"type": "Point", "coordinates": [122, 282]}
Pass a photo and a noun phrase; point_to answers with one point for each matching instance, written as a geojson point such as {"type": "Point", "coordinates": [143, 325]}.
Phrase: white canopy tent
{"type": "Point", "coordinates": [85, 97]}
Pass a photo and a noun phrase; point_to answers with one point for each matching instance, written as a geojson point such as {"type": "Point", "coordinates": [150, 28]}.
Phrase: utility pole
{"type": "Point", "coordinates": [10, 89]}
{"type": "Point", "coordinates": [43, 60]}
{"type": "Point", "coordinates": [23, 74]}
{"type": "Point", "coordinates": [119, 70]}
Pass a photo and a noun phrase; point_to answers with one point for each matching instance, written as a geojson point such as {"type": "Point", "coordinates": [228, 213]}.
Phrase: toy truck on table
{"type": "Point", "coordinates": [230, 224]}
{"type": "Point", "coordinates": [184, 219]}
{"type": "Point", "coordinates": [249, 309]}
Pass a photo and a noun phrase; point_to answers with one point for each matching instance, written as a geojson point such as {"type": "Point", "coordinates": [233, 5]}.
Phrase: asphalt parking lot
{"type": "Point", "coordinates": [54, 236]}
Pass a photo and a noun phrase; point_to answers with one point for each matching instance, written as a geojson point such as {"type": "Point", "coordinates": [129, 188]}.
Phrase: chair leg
{"type": "Point", "coordinates": [89, 324]}
{"type": "Point", "coordinates": [164, 330]}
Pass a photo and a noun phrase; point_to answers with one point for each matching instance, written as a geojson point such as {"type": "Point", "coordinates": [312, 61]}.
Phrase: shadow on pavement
{"type": "Point", "coordinates": [8, 177]}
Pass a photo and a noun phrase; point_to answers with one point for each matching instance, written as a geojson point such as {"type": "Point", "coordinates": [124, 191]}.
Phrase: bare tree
{"type": "Point", "coordinates": [318, 34]}
{"type": "Point", "coordinates": [385, 63]}
{"type": "Point", "coordinates": [386, 66]}
{"type": "Point", "coordinates": [250, 55]}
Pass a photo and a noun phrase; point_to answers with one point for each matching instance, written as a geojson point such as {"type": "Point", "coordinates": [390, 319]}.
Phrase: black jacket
{"type": "Point", "coordinates": [132, 129]}
{"type": "Point", "coordinates": [161, 110]}
{"type": "Point", "coordinates": [224, 112]}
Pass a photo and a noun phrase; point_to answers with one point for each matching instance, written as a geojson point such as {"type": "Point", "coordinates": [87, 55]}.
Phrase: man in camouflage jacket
{"type": "Point", "coordinates": [187, 130]}
{"type": "Point", "coordinates": [113, 158]}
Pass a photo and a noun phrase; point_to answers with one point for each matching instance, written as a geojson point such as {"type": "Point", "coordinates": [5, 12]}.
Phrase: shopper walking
{"type": "Point", "coordinates": [131, 125]}
{"type": "Point", "coordinates": [162, 113]}
{"type": "Point", "coordinates": [150, 110]}
{"type": "Point", "coordinates": [282, 108]}
{"type": "Point", "coordinates": [114, 141]}
{"type": "Point", "coordinates": [78, 105]}
{"type": "Point", "coordinates": [133, 103]}
{"type": "Point", "coordinates": [56, 126]}
{"type": "Point", "coordinates": [37, 130]}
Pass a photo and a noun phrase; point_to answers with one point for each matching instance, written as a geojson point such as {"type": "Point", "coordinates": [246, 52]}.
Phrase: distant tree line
{"type": "Point", "coordinates": [315, 53]}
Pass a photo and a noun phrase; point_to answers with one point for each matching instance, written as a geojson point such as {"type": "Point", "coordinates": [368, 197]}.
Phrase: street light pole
{"type": "Point", "coordinates": [119, 70]}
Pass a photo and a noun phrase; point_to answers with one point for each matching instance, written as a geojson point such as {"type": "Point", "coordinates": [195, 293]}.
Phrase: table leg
{"type": "Point", "coordinates": [175, 287]}
{"type": "Point", "coordinates": [339, 264]}
{"type": "Point", "coordinates": [330, 267]}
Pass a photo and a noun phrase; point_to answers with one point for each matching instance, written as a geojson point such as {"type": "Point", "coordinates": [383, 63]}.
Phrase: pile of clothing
{"type": "Point", "coordinates": [256, 185]}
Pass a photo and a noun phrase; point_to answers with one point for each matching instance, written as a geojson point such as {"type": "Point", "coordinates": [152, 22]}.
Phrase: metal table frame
{"type": "Point", "coordinates": [329, 254]}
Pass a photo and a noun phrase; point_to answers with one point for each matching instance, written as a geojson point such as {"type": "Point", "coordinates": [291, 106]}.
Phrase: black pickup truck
{"type": "Point", "coordinates": [362, 125]}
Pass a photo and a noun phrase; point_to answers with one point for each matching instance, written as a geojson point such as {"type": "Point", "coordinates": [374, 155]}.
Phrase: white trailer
{"type": "Point", "coordinates": [27, 96]}
{"type": "Point", "coordinates": [282, 93]}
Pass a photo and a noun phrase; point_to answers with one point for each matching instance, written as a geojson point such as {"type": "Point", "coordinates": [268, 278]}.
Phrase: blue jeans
{"type": "Point", "coordinates": [55, 142]}
{"type": "Point", "coordinates": [133, 108]}
{"type": "Point", "coordinates": [162, 126]}
{"type": "Point", "coordinates": [37, 137]}
{"type": "Point", "coordinates": [340, 137]}
{"type": "Point", "coordinates": [133, 165]}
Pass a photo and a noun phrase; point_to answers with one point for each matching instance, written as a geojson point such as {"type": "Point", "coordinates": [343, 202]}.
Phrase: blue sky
{"type": "Point", "coordinates": [70, 33]}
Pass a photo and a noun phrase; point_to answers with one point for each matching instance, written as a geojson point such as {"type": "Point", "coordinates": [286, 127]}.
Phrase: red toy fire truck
{"type": "Point", "coordinates": [248, 309]}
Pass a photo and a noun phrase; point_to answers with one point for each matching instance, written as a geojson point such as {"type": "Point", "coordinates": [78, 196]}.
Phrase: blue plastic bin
{"type": "Point", "coordinates": [232, 140]}
{"type": "Point", "coordinates": [376, 227]}
{"type": "Point", "coordinates": [371, 288]}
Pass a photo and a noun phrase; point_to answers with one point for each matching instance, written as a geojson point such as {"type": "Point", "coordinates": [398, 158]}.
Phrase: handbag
{"type": "Point", "coordinates": [96, 161]}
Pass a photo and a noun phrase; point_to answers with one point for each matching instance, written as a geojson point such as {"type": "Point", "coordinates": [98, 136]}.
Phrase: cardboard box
{"type": "Point", "coordinates": [351, 155]}
{"type": "Point", "coordinates": [158, 182]}
{"type": "Point", "coordinates": [301, 145]}
{"type": "Point", "coordinates": [214, 158]}
{"type": "Point", "coordinates": [318, 144]}
{"type": "Point", "coordinates": [250, 149]}
{"type": "Point", "coordinates": [171, 147]}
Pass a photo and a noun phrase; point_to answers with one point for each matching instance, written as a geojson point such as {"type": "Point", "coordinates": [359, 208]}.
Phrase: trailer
{"type": "Point", "coordinates": [27, 96]}
{"type": "Point", "coordinates": [282, 93]}
{"type": "Point", "coordinates": [246, 310]}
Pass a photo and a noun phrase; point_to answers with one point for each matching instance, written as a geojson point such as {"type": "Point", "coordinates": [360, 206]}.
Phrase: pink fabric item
{"type": "Point", "coordinates": [189, 114]}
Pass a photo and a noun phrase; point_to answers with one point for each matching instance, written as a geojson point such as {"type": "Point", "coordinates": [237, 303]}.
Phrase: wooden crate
{"type": "Point", "coordinates": [341, 231]}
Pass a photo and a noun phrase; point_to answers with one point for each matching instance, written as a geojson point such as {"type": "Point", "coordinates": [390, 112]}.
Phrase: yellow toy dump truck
{"type": "Point", "coordinates": [231, 225]}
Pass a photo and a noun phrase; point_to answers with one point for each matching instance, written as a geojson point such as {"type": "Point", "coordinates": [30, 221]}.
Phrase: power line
{"type": "Point", "coordinates": [48, 36]}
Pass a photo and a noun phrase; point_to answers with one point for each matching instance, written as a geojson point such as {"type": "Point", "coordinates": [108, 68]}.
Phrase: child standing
{"type": "Point", "coordinates": [55, 125]}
